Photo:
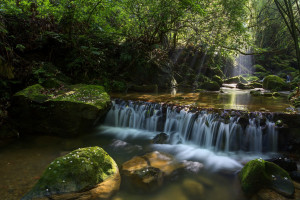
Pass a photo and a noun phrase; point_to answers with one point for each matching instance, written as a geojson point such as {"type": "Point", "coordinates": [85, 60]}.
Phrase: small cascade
{"type": "Point", "coordinates": [207, 129]}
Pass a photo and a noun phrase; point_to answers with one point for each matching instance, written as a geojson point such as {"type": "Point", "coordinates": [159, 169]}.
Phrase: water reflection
{"type": "Point", "coordinates": [231, 98]}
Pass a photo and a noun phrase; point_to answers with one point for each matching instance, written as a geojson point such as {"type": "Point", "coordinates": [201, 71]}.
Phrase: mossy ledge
{"type": "Point", "coordinates": [79, 171]}
{"type": "Point", "coordinates": [65, 111]}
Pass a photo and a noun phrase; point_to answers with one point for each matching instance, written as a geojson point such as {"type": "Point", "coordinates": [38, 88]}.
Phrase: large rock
{"type": "Point", "coordinates": [87, 173]}
{"type": "Point", "coordinates": [236, 79]}
{"type": "Point", "coordinates": [273, 82]}
{"type": "Point", "coordinates": [210, 86]}
{"type": "Point", "coordinates": [65, 112]}
{"type": "Point", "coordinates": [259, 174]}
{"type": "Point", "coordinates": [148, 172]}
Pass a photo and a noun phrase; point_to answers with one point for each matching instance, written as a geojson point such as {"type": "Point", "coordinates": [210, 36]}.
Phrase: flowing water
{"type": "Point", "coordinates": [216, 139]}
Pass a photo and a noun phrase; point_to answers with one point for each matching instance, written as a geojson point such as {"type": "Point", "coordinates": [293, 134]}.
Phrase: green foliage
{"type": "Point", "coordinates": [259, 68]}
{"type": "Point", "coordinates": [217, 79]}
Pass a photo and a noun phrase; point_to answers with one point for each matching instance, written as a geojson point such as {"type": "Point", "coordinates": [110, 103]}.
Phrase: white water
{"type": "Point", "coordinates": [197, 136]}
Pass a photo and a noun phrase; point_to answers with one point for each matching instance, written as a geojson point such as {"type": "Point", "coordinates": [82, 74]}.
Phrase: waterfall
{"type": "Point", "coordinates": [206, 129]}
{"type": "Point", "coordinates": [243, 64]}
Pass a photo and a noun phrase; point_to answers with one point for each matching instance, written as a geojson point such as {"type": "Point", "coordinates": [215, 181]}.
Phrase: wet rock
{"type": "Point", "coordinates": [161, 138]}
{"type": "Point", "coordinates": [268, 194]}
{"type": "Point", "coordinates": [255, 93]}
{"type": "Point", "coordinates": [267, 94]}
{"type": "Point", "coordinates": [276, 94]}
{"type": "Point", "coordinates": [205, 181]}
{"type": "Point", "coordinates": [295, 175]}
{"type": "Point", "coordinates": [259, 174]}
{"type": "Point", "coordinates": [123, 147]}
{"type": "Point", "coordinates": [87, 173]}
{"type": "Point", "coordinates": [235, 79]}
{"type": "Point", "coordinates": [65, 112]}
{"type": "Point", "coordinates": [193, 189]}
{"type": "Point", "coordinates": [285, 163]}
{"type": "Point", "coordinates": [192, 167]}
{"type": "Point", "coordinates": [148, 172]}
{"type": "Point", "coordinates": [243, 121]}
{"type": "Point", "coordinates": [256, 85]}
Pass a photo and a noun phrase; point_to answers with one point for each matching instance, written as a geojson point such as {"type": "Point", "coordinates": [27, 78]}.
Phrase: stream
{"type": "Point", "coordinates": [202, 136]}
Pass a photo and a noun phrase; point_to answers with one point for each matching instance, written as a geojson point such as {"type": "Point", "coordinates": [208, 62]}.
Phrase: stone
{"type": "Point", "coordinates": [192, 166]}
{"type": "Point", "coordinates": [217, 79]}
{"type": "Point", "coordinates": [256, 85]}
{"type": "Point", "coordinates": [259, 174]}
{"type": "Point", "coordinates": [295, 175]}
{"type": "Point", "coordinates": [86, 173]}
{"type": "Point", "coordinates": [161, 138]}
{"type": "Point", "coordinates": [64, 112]}
{"type": "Point", "coordinates": [147, 173]}
{"type": "Point", "coordinates": [192, 188]}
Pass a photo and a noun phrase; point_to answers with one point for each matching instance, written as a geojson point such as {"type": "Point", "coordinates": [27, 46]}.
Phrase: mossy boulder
{"type": "Point", "coordinates": [80, 174]}
{"type": "Point", "coordinates": [259, 68]}
{"type": "Point", "coordinates": [256, 84]}
{"type": "Point", "coordinates": [274, 82]}
{"type": "Point", "coordinates": [236, 79]}
{"type": "Point", "coordinates": [261, 75]}
{"type": "Point", "coordinates": [65, 112]}
{"type": "Point", "coordinates": [243, 86]}
{"type": "Point", "coordinates": [259, 174]}
{"type": "Point", "coordinates": [210, 86]}
{"type": "Point", "coordinates": [217, 79]}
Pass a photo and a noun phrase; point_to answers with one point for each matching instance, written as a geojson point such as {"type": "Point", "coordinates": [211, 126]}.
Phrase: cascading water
{"type": "Point", "coordinates": [209, 130]}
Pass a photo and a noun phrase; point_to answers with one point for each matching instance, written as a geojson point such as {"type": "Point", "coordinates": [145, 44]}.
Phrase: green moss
{"type": "Point", "coordinates": [89, 94]}
{"type": "Point", "coordinates": [255, 93]}
{"type": "Point", "coordinates": [274, 82]}
{"type": "Point", "coordinates": [236, 79]}
{"type": "Point", "coordinates": [256, 84]}
{"type": "Point", "coordinates": [217, 79]}
{"type": "Point", "coordinates": [79, 170]}
{"type": "Point", "coordinates": [259, 68]}
{"type": "Point", "coordinates": [34, 93]}
{"type": "Point", "coordinates": [210, 86]}
{"type": "Point", "coordinates": [276, 94]}
{"type": "Point", "coordinates": [258, 174]}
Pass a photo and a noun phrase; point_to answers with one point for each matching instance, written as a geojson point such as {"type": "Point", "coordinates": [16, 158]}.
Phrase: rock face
{"type": "Point", "coordinates": [87, 173]}
{"type": "Point", "coordinates": [148, 172]}
{"type": "Point", "coordinates": [63, 112]}
{"type": "Point", "coordinates": [258, 174]}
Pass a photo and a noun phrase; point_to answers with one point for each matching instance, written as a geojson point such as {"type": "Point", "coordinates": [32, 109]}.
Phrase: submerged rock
{"type": "Point", "coordinates": [66, 111]}
{"type": "Point", "coordinates": [87, 173]}
{"type": "Point", "coordinates": [161, 138]}
{"type": "Point", "coordinates": [243, 86]}
{"type": "Point", "coordinates": [259, 174]}
{"type": "Point", "coordinates": [148, 172]}
{"type": "Point", "coordinates": [193, 189]}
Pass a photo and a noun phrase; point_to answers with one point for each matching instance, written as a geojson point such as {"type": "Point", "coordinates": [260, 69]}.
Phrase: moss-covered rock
{"type": "Point", "coordinates": [81, 170]}
{"type": "Point", "coordinates": [236, 79]}
{"type": "Point", "coordinates": [274, 82]}
{"type": "Point", "coordinates": [259, 68]}
{"type": "Point", "coordinates": [261, 75]}
{"type": "Point", "coordinates": [217, 79]}
{"type": "Point", "coordinates": [256, 84]}
{"type": "Point", "coordinates": [210, 86]}
{"type": "Point", "coordinates": [66, 111]}
{"type": "Point", "coordinates": [258, 174]}
{"type": "Point", "coordinates": [243, 86]}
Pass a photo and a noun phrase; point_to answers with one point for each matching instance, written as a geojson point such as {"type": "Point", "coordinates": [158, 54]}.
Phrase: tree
{"type": "Point", "coordinates": [289, 11]}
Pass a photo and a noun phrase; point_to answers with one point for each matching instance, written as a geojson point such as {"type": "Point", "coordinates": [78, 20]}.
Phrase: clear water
{"type": "Point", "coordinates": [232, 98]}
{"type": "Point", "coordinates": [23, 162]}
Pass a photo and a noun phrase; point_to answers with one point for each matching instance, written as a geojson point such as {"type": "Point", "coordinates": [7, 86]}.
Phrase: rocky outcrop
{"type": "Point", "coordinates": [85, 174]}
{"type": "Point", "coordinates": [65, 112]}
{"type": "Point", "coordinates": [273, 82]}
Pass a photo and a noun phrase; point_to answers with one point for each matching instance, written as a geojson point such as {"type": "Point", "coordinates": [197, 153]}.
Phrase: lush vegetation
{"type": "Point", "coordinates": [122, 43]}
